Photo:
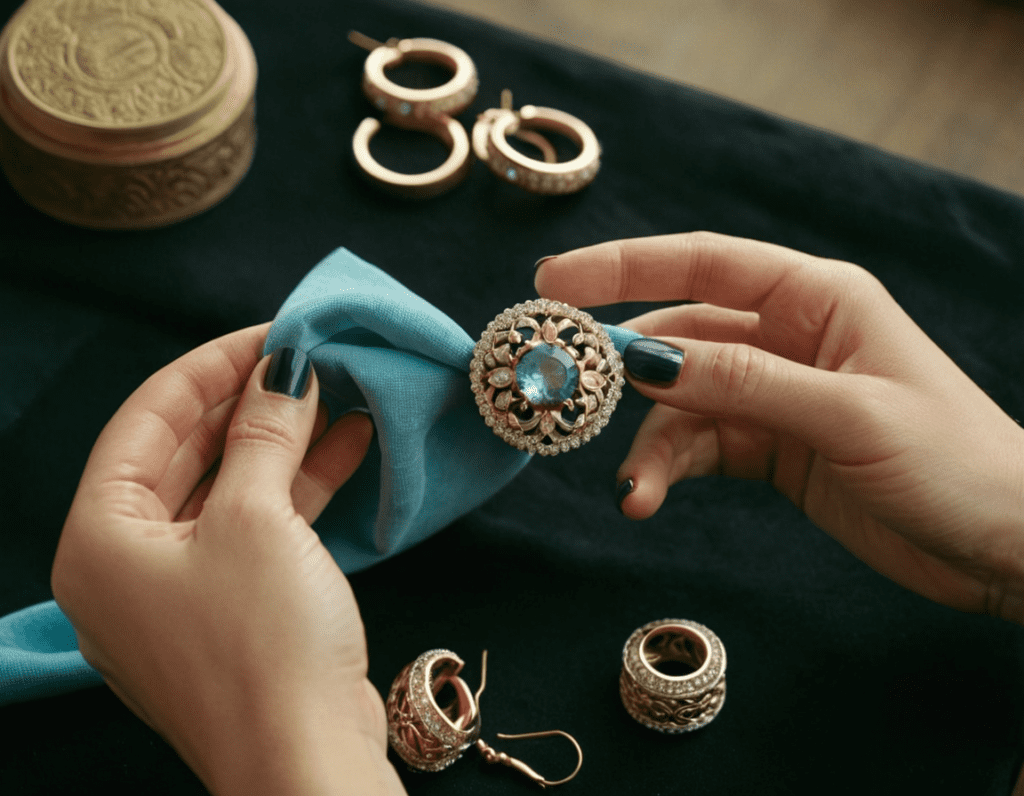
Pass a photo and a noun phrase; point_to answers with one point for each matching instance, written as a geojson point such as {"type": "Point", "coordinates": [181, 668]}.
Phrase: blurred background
{"type": "Point", "coordinates": [936, 80]}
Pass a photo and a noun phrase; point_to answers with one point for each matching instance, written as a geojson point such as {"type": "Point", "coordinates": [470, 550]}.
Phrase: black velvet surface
{"type": "Point", "coordinates": [838, 680]}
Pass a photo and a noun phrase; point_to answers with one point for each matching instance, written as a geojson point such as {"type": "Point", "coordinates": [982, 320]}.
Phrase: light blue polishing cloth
{"type": "Point", "coordinates": [378, 347]}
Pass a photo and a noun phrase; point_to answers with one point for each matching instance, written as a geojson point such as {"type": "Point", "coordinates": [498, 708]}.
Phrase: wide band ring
{"type": "Point", "coordinates": [491, 146]}
{"type": "Point", "coordinates": [546, 376]}
{"type": "Point", "coordinates": [399, 102]}
{"type": "Point", "coordinates": [425, 184]}
{"type": "Point", "coordinates": [676, 702]}
{"type": "Point", "coordinates": [425, 735]}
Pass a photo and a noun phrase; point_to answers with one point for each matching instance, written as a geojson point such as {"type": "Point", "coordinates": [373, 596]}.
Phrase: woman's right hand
{"type": "Point", "coordinates": [805, 372]}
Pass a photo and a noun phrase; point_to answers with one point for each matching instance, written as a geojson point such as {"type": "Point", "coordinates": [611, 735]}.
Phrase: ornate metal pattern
{"type": "Point", "coordinates": [117, 62]}
{"type": "Point", "coordinates": [421, 733]}
{"type": "Point", "coordinates": [673, 704]}
{"type": "Point", "coordinates": [125, 114]}
{"type": "Point", "coordinates": [536, 427]}
{"type": "Point", "coordinates": [136, 197]}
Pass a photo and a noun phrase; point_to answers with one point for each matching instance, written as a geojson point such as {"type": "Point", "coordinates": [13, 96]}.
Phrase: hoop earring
{"type": "Point", "coordinates": [427, 110]}
{"type": "Point", "coordinates": [544, 177]}
{"type": "Point", "coordinates": [429, 737]}
{"type": "Point", "coordinates": [400, 102]}
{"type": "Point", "coordinates": [425, 184]}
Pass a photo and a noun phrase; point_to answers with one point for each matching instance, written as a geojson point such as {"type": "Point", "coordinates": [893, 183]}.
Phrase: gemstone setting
{"type": "Point", "coordinates": [546, 376]}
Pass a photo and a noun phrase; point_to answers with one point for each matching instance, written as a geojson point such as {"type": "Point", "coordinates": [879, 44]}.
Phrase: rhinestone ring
{"type": "Point", "coordinates": [425, 735]}
{"type": "Point", "coordinates": [546, 376]}
{"type": "Point", "coordinates": [673, 702]}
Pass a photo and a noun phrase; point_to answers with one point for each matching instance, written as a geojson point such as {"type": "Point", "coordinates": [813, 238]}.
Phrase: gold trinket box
{"type": "Point", "coordinates": [125, 114]}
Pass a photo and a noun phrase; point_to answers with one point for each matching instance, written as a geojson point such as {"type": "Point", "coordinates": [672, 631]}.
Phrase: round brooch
{"type": "Point", "coordinates": [546, 376]}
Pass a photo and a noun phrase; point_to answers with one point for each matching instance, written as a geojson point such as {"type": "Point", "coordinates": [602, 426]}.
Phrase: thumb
{"type": "Point", "coordinates": [736, 380]}
{"type": "Point", "coordinates": [269, 433]}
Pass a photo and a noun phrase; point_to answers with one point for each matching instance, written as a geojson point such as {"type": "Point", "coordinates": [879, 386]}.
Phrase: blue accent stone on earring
{"type": "Point", "coordinates": [547, 375]}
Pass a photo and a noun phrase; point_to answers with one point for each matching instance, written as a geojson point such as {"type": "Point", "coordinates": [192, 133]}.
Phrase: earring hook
{"type": "Point", "coordinates": [491, 755]}
{"type": "Point", "coordinates": [367, 43]}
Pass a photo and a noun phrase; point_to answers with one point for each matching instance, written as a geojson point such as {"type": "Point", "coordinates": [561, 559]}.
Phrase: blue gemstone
{"type": "Point", "coordinates": [547, 376]}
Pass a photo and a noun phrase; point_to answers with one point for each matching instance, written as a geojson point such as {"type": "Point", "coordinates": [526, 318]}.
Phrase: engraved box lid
{"type": "Point", "coordinates": [125, 113]}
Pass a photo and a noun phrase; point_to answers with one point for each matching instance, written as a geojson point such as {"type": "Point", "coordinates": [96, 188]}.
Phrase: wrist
{"type": "Point", "coordinates": [334, 746]}
{"type": "Point", "coordinates": [1006, 588]}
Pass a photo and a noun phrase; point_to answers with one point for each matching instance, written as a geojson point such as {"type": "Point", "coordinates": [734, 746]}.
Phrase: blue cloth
{"type": "Point", "coordinates": [378, 347]}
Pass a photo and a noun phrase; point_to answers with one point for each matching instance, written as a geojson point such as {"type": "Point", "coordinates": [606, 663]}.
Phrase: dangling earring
{"type": "Point", "coordinates": [429, 737]}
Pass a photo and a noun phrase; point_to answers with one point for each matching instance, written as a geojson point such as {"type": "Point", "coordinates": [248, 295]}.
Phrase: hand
{"type": "Point", "coordinates": [198, 589]}
{"type": "Point", "coordinates": [805, 372]}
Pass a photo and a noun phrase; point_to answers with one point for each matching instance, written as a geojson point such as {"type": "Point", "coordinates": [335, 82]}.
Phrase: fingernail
{"type": "Point", "coordinates": [543, 260]}
{"type": "Point", "coordinates": [653, 361]}
{"type": "Point", "coordinates": [622, 491]}
{"type": "Point", "coordinates": [287, 373]}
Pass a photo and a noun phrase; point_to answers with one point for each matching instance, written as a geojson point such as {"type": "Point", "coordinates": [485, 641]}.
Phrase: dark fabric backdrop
{"type": "Point", "coordinates": [838, 680]}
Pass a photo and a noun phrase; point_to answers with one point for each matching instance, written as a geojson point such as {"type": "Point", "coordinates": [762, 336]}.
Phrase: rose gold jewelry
{"type": "Point", "coordinates": [546, 376]}
{"type": "Point", "coordinates": [491, 146]}
{"type": "Point", "coordinates": [673, 703]}
{"type": "Point", "coordinates": [428, 183]}
{"type": "Point", "coordinates": [402, 103]}
{"type": "Point", "coordinates": [428, 110]}
{"type": "Point", "coordinates": [425, 735]}
{"type": "Point", "coordinates": [430, 738]}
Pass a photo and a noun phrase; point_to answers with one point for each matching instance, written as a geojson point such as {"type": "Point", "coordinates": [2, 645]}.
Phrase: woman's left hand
{"type": "Point", "coordinates": [201, 593]}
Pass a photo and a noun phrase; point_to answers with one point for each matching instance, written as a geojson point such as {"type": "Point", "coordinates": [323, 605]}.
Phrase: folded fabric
{"type": "Point", "coordinates": [377, 347]}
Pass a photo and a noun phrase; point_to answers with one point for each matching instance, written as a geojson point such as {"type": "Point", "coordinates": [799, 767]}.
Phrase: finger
{"type": "Point", "coordinates": [194, 505]}
{"type": "Point", "coordinates": [698, 266]}
{"type": "Point", "coordinates": [701, 321]}
{"type": "Point", "coordinates": [151, 454]}
{"type": "Point", "coordinates": [195, 460]}
{"type": "Point", "coordinates": [330, 463]}
{"type": "Point", "coordinates": [669, 445]}
{"type": "Point", "coordinates": [826, 410]}
{"type": "Point", "coordinates": [268, 436]}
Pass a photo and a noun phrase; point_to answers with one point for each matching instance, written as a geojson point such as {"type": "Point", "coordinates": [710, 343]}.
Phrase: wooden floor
{"type": "Point", "coordinates": [938, 80]}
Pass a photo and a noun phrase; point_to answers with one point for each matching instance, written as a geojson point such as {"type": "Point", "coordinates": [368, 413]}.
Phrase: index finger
{"type": "Point", "coordinates": [698, 266]}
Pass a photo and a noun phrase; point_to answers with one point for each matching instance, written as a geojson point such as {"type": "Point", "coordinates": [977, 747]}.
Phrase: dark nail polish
{"type": "Point", "coordinates": [543, 260]}
{"type": "Point", "coordinates": [653, 361]}
{"type": "Point", "coordinates": [623, 489]}
{"type": "Point", "coordinates": [287, 373]}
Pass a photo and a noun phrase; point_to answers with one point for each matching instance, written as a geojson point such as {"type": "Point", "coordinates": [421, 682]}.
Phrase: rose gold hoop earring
{"type": "Point", "coordinates": [402, 103]}
{"type": "Point", "coordinates": [428, 110]}
{"type": "Point", "coordinates": [425, 184]}
{"type": "Point", "coordinates": [673, 702]}
{"type": "Point", "coordinates": [547, 177]}
{"type": "Point", "coordinates": [429, 737]}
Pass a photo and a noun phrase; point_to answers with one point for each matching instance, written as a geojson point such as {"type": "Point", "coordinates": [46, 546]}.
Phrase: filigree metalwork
{"type": "Point", "coordinates": [580, 349]}
{"type": "Point", "coordinates": [668, 715]}
{"type": "Point", "coordinates": [426, 736]}
{"type": "Point", "coordinates": [673, 704]}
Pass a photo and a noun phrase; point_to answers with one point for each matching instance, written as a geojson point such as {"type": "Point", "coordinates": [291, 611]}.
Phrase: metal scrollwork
{"type": "Point", "coordinates": [546, 376]}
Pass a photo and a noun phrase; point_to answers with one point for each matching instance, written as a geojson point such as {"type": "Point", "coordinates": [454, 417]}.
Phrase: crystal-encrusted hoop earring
{"type": "Point", "coordinates": [680, 702]}
{"type": "Point", "coordinates": [425, 735]}
{"type": "Point", "coordinates": [544, 177]}
{"type": "Point", "coordinates": [429, 737]}
{"type": "Point", "coordinates": [546, 376]}
{"type": "Point", "coordinates": [400, 103]}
